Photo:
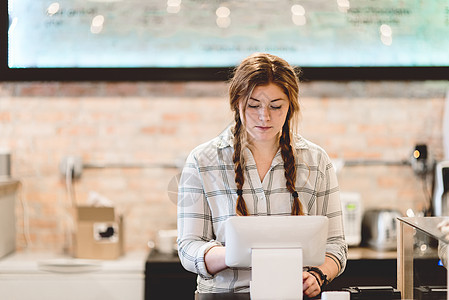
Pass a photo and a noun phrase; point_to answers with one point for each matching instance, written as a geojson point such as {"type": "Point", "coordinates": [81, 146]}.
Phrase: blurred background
{"type": "Point", "coordinates": [101, 101]}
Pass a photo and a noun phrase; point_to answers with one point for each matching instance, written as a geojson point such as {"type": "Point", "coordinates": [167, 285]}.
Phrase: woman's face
{"type": "Point", "coordinates": [265, 113]}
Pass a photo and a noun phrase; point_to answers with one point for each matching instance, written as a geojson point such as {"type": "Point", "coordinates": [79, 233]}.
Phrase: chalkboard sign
{"type": "Point", "coordinates": [204, 34]}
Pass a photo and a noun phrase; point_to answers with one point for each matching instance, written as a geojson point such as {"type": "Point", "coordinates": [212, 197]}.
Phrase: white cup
{"type": "Point", "coordinates": [166, 241]}
{"type": "Point", "coordinates": [335, 295]}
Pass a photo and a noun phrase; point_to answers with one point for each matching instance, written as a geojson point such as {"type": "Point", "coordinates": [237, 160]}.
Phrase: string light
{"type": "Point", "coordinates": [223, 19]}
{"type": "Point", "coordinates": [298, 15]}
{"type": "Point", "coordinates": [53, 8]}
{"type": "Point", "coordinates": [97, 24]}
{"type": "Point", "coordinates": [343, 5]}
{"type": "Point", "coordinates": [173, 6]}
{"type": "Point", "coordinates": [386, 34]}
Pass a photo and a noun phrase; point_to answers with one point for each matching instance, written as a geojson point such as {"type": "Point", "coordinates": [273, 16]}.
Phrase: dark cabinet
{"type": "Point", "coordinates": [366, 272]}
{"type": "Point", "coordinates": [165, 278]}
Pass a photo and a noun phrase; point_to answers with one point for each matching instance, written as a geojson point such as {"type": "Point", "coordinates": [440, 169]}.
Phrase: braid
{"type": "Point", "coordinates": [241, 208]}
{"type": "Point", "coordinates": [290, 168]}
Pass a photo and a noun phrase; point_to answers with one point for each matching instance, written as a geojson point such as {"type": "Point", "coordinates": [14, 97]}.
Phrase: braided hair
{"type": "Point", "coordinates": [262, 69]}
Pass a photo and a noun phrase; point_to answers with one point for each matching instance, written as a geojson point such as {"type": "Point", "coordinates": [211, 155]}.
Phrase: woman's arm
{"type": "Point", "coordinates": [195, 232]}
{"type": "Point", "coordinates": [330, 268]}
{"type": "Point", "coordinates": [312, 281]}
{"type": "Point", "coordinates": [329, 204]}
{"type": "Point", "coordinates": [215, 259]}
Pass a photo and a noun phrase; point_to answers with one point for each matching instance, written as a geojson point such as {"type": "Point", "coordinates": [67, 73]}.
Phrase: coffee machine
{"type": "Point", "coordinates": [441, 189]}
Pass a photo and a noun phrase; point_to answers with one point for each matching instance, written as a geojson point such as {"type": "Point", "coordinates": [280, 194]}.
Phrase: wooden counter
{"type": "Point", "coordinates": [355, 253]}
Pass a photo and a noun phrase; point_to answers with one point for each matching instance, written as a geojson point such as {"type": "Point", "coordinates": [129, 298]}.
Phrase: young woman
{"type": "Point", "coordinates": [258, 166]}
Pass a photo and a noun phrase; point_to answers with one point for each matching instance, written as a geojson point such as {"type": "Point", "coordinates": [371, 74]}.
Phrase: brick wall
{"type": "Point", "coordinates": [142, 131]}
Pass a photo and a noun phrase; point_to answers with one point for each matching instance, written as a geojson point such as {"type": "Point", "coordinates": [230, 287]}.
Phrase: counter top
{"type": "Point", "coordinates": [223, 296]}
{"type": "Point", "coordinates": [40, 263]}
{"type": "Point", "coordinates": [356, 253]}
{"type": "Point", "coordinates": [236, 296]}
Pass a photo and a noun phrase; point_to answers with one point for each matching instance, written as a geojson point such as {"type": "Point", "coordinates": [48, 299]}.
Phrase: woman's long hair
{"type": "Point", "coordinates": [263, 69]}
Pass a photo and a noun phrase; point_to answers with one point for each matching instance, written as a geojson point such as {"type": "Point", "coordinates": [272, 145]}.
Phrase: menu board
{"type": "Point", "coordinates": [214, 33]}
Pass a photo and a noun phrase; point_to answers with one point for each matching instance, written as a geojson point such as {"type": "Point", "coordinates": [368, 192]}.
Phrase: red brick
{"type": "Point", "coordinates": [5, 116]}
{"type": "Point", "coordinates": [120, 89]}
{"type": "Point", "coordinates": [158, 130]}
{"type": "Point", "coordinates": [38, 89]}
{"type": "Point", "coordinates": [389, 182]}
{"type": "Point", "coordinates": [79, 89]}
{"type": "Point", "coordinates": [181, 117]}
{"type": "Point", "coordinates": [77, 130]}
{"type": "Point", "coordinates": [39, 224]}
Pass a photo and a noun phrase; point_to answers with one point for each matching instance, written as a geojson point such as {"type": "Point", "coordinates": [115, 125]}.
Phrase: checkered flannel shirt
{"type": "Point", "coordinates": [207, 198]}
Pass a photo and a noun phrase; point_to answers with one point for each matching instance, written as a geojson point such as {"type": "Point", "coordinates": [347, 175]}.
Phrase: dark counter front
{"type": "Point", "coordinates": [366, 272]}
{"type": "Point", "coordinates": [236, 296]}
{"type": "Point", "coordinates": [165, 278]}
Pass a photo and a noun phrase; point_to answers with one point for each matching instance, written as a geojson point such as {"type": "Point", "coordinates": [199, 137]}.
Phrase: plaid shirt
{"type": "Point", "coordinates": [207, 198]}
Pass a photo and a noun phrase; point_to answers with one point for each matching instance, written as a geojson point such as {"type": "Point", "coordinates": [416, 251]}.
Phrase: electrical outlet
{"type": "Point", "coordinates": [72, 165]}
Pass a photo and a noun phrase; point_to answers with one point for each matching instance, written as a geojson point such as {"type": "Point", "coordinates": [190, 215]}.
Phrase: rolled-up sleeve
{"type": "Point", "coordinates": [195, 232]}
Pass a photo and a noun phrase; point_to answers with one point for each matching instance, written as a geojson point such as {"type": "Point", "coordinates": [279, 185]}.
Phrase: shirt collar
{"type": "Point", "coordinates": [299, 142]}
{"type": "Point", "coordinates": [225, 139]}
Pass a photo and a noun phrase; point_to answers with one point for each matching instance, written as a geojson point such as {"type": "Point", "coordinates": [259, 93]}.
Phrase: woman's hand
{"type": "Point", "coordinates": [310, 285]}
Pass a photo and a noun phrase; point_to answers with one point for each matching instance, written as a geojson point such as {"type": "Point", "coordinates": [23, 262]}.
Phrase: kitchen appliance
{"type": "Point", "coordinates": [5, 164]}
{"type": "Point", "coordinates": [7, 217]}
{"type": "Point", "coordinates": [441, 189]}
{"type": "Point", "coordinates": [351, 205]}
{"type": "Point", "coordinates": [431, 292]}
{"type": "Point", "coordinates": [379, 228]}
{"type": "Point", "coordinates": [373, 292]}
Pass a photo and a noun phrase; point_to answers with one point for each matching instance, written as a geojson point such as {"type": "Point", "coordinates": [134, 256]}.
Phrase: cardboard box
{"type": "Point", "coordinates": [99, 233]}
